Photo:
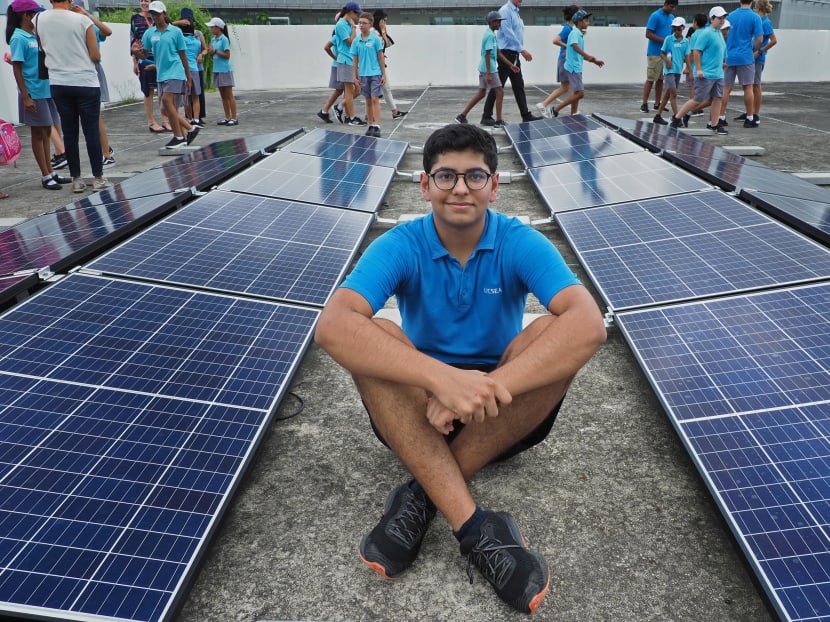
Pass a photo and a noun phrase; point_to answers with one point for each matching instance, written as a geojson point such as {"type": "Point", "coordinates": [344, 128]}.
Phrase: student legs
{"type": "Point", "coordinates": [41, 149]}
{"type": "Point", "coordinates": [228, 101]}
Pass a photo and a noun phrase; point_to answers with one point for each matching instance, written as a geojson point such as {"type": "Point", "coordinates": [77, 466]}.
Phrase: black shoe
{"type": "Point", "coordinates": [740, 117]}
{"type": "Point", "coordinates": [520, 576]}
{"type": "Point", "coordinates": [554, 112]}
{"type": "Point", "coordinates": [399, 114]}
{"type": "Point", "coordinates": [325, 116]}
{"type": "Point", "coordinates": [719, 129]}
{"type": "Point", "coordinates": [723, 123]}
{"type": "Point", "coordinates": [61, 180]}
{"type": "Point", "coordinates": [656, 105]}
{"type": "Point", "coordinates": [686, 118]}
{"type": "Point", "coordinates": [357, 121]}
{"type": "Point", "coordinates": [338, 112]}
{"type": "Point", "coordinates": [531, 117]}
{"type": "Point", "coordinates": [675, 122]}
{"type": "Point", "coordinates": [176, 143]}
{"type": "Point", "coordinates": [658, 120]}
{"type": "Point", "coordinates": [50, 184]}
{"type": "Point", "coordinates": [59, 161]}
{"type": "Point", "coordinates": [394, 543]}
{"type": "Point", "coordinates": [462, 119]}
{"type": "Point", "coordinates": [748, 123]}
{"type": "Point", "coordinates": [191, 135]}
{"type": "Point", "coordinates": [644, 108]}
{"type": "Point", "coordinates": [487, 121]}
{"type": "Point", "coordinates": [222, 122]}
{"type": "Point", "coordinates": [376, 132]}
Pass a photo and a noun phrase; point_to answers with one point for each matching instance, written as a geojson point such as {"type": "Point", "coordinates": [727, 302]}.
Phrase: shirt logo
{"type": "Point", "coordinates": [492, 290]}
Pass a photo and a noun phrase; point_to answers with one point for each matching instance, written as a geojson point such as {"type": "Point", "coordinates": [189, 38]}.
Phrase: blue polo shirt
{"type": "Point", "coordinates": [678, 49]}
{"type": "Point", "coordinates": [563, 35]}
{"type": "Point", "coordinates": [489, 45]}
{"type": "Point", "coordinates": [24, 49]}
{"type": "Point", "coordinates": [573, 60]}
{"type": "Point", "coordinates": [766, 26]}
{"type": "Point", "coordinates": [745, 30]}
{"type": "Point", "coordinates": [221, 44]}
{"type": "Point", "coordinates": [343, 30]}
{"type": "Point", "coordinates": [366, 50]}
{"type": "Point", "coordinates": [659, 23]}
{"type": "Point", "coordinates": [712, 49]}
{"type": "Point", "coordinates": [458, 315]}
{"type": "Point", "coordinates": [166, 45]}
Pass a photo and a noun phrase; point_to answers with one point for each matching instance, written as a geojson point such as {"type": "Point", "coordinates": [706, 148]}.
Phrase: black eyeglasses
{"type": "Point", "coordinates": [475, 178]}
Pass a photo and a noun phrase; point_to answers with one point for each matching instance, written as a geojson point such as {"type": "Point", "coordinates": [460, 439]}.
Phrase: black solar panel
{"type": "Point", "coordinates": [245, 244]}
{"type": "Point", "coordinates": [232, 146]}
{"type": "Point", "coordinates": [300, 177]}
{"type": "Point", "coordinates": [746, 383]}
{"type": "Point", "coordinates": [573, 147]}
{"type": "Point", "coordinates": [545, 128]}
{"type": "Point", "coordinates": [687, 246]}
{"type": "Point", "coordinates": [614, 179]}
{"type": "Point", "coordinates": [129, 413]}
{"type": "Point", "coordinates": [350, 147]}
{"type": "Point", "coordinates": [13, 285]}
{"type": "Point", "coordinates": [809, 217]}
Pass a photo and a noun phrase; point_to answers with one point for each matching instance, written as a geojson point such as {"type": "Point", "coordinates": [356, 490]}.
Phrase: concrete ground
{"type": "Point", "coordinates": [611, 498]}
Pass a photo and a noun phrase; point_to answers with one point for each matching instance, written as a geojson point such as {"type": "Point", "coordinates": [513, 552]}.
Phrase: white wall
{"type": "Point", "coordinates": [286, 57]}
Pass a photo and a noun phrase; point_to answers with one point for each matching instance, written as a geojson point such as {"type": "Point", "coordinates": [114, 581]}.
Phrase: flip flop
{"type": "Point", "coordinates": [157, 130]}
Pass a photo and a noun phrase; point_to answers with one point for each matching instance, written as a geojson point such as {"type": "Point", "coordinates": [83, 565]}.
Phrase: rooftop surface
{"type": "Point", "coordinates": [611, 498]}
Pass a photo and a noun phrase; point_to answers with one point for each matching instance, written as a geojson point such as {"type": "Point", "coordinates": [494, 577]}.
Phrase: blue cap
{"type": "Point", "coordinates": [187, 13]}
{"type": "Point", "coordinates": [352, 6]}
{"type": "Point", "coordinates": [580, 15]}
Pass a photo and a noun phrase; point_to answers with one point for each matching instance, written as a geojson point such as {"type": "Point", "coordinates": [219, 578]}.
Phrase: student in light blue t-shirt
{"type": "Point", "coordinates": [488, 71]}
{"type": "Point", "coordinates": [674, 54]}
{"type": "Point", "coordinates": [369, 70]}
{"type": "Point", "coordinates": [220, 48]}
{"type": "Point", "coordinates": [574, 57]}
{"type": "Point", "coordinates": [560, 40]}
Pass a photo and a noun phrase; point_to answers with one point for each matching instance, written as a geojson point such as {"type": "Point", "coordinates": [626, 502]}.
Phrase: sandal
{"type": "Point", "coordinates": [157, 129]}
{"type": "Point", "coordinates": [3, 195]}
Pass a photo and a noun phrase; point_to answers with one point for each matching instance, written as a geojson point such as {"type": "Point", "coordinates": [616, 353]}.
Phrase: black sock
{"type": "Point", "coordinates": [472, 526]}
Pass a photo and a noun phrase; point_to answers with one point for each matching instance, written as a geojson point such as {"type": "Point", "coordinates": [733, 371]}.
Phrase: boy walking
{"type": "Point", "coordinates": [574, 57]}
{"type": "Point", "coordinates": [369, 70]}
{"type": "Point", "coordinates": [488, 71]}
{"type": "Point", "coordinates": [673, 53]}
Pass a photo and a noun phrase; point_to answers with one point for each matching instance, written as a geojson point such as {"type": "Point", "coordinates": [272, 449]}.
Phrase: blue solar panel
{"type": "Point", "coordinates": [231, 146]}
{"type": "Point", "coordinates": [573, 147]}
{"type": "Point", "coordinates": [71, 234]}
{"type": "Point", "coordinates": [545, 128]}
{"type": "Point", "coordinates": [300, 177]}
{"type": "Point", "coordinates": [350, 147]}
{"type": "Point", "coordinates": [245, 244]}
{"type": "Point", "coordinates": [128, 414]}
{"type": "Point", "coordinates": [809, 217]}
{"type": "Point", "coordinates": [613, 179]}
{"type": "Point", "coordinates": [688, 246]}
{"type": "Point", "coordinates": [746, 382]}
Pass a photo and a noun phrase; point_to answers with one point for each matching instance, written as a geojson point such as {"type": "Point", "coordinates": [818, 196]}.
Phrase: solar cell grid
{"type": "Point", "coordinates": [810, 217]}
{"type": "Point", "coordinates": [573, 147]}
{"type": "Point", "coordinates": [544, 128]}
{"type": "Point", "coordinates": [612, 179]}
{"type": "Point", "coordinates": [127, 414]}
{"type": "Point", "coordinates": [246, 244]}
{"type": "Point", "coordinates": [746, 382]}
{"type": "Point", "coordinates": [300, 177]}
{"type": "Point", "coordinates": [350, 147]}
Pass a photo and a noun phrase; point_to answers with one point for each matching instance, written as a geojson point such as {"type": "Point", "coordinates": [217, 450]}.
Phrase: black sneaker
{"type": "Point", "coordinates": [490, 121]}
{"type": "Point", "coordinates": [338, 112]}
{"type": "Point", "coordinates": [644, 108]}
{"type": "Point", "coordinates": [740, 117]}
{"type": "Point", "coordinates": [554, 112]}
{"type": "Point", "coordinates": [520, 576]}
{"type": "Point", "coordinates": [107, 162]}
{"type": "Point", "coordinates": [675, 122]}
{"type": "Point", "coordinates": [222, 122]}
{"type": "Point", "coordinates": [531, 117]}
{"type": "Point", "coordinates": [191, 135]}
{"type": "Point", "coordinates": [658, 120]}
{"type": "Point", "coordinates": [394, 543]}
{"type": "Point", "coordinates": [748, 123]}
{"type": "Point", "coordinates": [59, 161]}
{"type": "Point", "coordinates": [50, 184]}
{"type": "Point", "coordinates": [399, 114]}
{"type": "Point", "coordinates": [462, 119]}
{"type": "Point", "coordinates": [720, 130]}
{"type": "Point", "coordinates": [325, 116]}
{"type": "Point", "coordinates": [499, 124]}
{"type": "Point", "coordinates": [176, 143]}
{"type": "Point", "coordinates": [376, 132]}
{"type": "Point", "coordinates": [723, 122]}
{"type": "Point", "coordinates": [656, 105]}
{"type": "Point", "coordinates": [61, 180]}
{"type": "Point", "coordinates": [686, 118]}
{"type": "Point", "coordinates": [357, 121]}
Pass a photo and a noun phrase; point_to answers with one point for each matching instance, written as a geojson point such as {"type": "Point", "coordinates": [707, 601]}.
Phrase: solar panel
{"type": "Point", "coordinates": [573, 147]}
{"type": "Point", "coordinates": [13, 285]}
{"type": "Point", "coordinates": [300, 177]}
{"type": "Point", "coordinates": [67, 236]}
{"type": "Point", "coordinates": [350, 147]}
{"type": "Point", "coordinates": [809, 217]}
{"type": "Point", "coordinates": [687, 246]}
{"type": "Point", "coordinates": [245, 244]}
{"type": "Point", "coordinates": [746, 383]}
{"type": "Point", "coordinates": [545, 128]}
{"type": "Point", "coordinates": [129, 413]}
{"type": "Point", "coordinates": [260, 142]}
{"type": "Point", "coordinates": [614, 179]}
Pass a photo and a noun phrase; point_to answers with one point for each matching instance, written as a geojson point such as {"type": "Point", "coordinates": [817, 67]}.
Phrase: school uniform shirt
{"type": "Point", "coordinates": [366, 50]}
{"type": "Point", "coordinates": [24, 48]}
{"type": "Point", "coordinates": [192, 47]}
{"type": "Point", "coordinates": [712, 49]}
{"type": "Point", "coordinates": [745, 30]}
{"type": "Point", "coordinates": [692, 41]}
{"type": "Point", "coordinates": [574, 60]}
{"type": "Point", "coordinates": [343, 30]}
{"type": "Point", "coordinates": [221, 44]}
{"type": "Point", "coordinates": [678, 50]}
{"type": "Point", "coordinates": [166, 45]}
{"type": "Point", "coordinates": [489, 46]}
{"type": "Point", "coordinates": [461, 315]}
{"type": "Point", "coordinates": [659, 23]}
{"type": "Point", "coordinates": [563, 35]}
{"type": "Point", "coordinates": [766, 26]}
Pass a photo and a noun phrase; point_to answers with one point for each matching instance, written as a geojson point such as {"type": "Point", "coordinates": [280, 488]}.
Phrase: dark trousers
{"type": "Point", "coordinates": [202, 95]}
{"type": "Point", "coordinates": [79, 108]}
{"type": "Point", "coordinates": [517, 82]}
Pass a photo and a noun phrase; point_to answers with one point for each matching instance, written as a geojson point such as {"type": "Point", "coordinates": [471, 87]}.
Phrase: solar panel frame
{"type": "Point", "coordinates": [810, 217]}
{"type": "Point", "coordinates": [573, 147]}
{"type": "Point", "coordinates": [350, 147]}
{"type": "Point", "coordinates": [613, 179]}
{"type": "Point", "coordinates": [149, 467]}
{"type": "Point", "coordinates": [13, 285]}
{"type": "Point", "coordinates": [310, 179]}
{"type": "Point", "coordinates": [689, 246]}
{"type": "Point", "coordinates": [247, 245]}
{"type": "Point", "coordinates": [745, 382]}
{"type": "Point", "coordinates": [545, 128]}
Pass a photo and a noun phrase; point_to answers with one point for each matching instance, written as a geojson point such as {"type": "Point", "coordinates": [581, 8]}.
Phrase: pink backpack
{"type": "Point", "coordinates": [9, 144]}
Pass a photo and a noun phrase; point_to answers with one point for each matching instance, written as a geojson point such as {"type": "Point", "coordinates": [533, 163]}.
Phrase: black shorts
{"type": "Point", "coordinates": [536, 436]}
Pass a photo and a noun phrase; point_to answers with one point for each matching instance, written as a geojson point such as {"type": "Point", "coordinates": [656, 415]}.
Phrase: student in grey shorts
{"type": "Point", "coordinates": [574, 60]}
{"type": "Point", "coordinates": [742, 46]}
{"type": "Point", "coordinates": [488, 71]}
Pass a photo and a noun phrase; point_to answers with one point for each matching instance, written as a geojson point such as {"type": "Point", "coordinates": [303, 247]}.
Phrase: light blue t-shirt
{"type": "Point", "coordinates": [745, 30]}
{"type": "Point", "coordinates": [489, 46]}
{"type": "Point", "coordinates": [166, 46]}
{"type": "Point", "coordinates": [678, 49]}
{"type": "Point", "coordinates": [766, 26]}
{"type": "Point", "coordinates": [366, 50]}
{"type": "Point", "coordinates": [659, 23]}
{"type": "Point", "coordinates": [192, 47]}
{"type": "Point", "coordinates": [23, 47]}
{"type": "Point", "coordinates": [563, 35]}
{"type": "Point", "coordinates": [573, 60]}
{"type": "Point", "coordinates": [712, 52]}
{"type": "Point", "coordinates": [455, 314]}
{"type": "Point", "coordinates": [221, 44]}
{"type": "Point", "coordinates": [343, 30]}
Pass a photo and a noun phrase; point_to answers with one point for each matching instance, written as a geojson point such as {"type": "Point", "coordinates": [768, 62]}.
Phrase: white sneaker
{"type": "Point", "coordinates": [543, 110]}
{"type": "Point", "coordinates": [78, 185]}
{"type": "Point", "coordinates": [100, 184]}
